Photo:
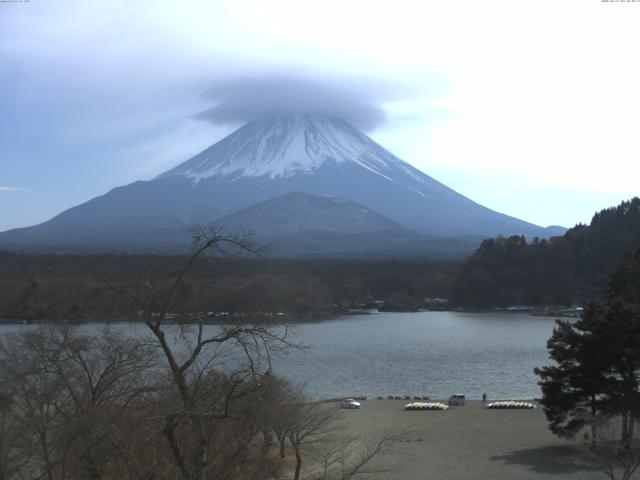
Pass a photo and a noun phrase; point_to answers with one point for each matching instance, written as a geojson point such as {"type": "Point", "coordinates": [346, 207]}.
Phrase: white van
{"type": "Point", "coordinates": [457, 400]}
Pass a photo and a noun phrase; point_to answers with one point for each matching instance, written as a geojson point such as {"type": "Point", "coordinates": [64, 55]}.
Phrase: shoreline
{"type": "Point", "coordinates": [467, 443]}
{"type": "Point", "coordinates": [293, 318]}
{"type": "Point", "coordinates": [425, 398]}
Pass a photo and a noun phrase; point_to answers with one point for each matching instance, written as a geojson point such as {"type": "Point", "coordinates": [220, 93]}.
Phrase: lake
{"type": "Point", "coordinates": [423, 353]}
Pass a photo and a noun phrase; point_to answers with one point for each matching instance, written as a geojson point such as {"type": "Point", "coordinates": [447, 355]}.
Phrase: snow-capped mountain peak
{"type": "Point", "coordinates": [283, 146]}
{"type": "Point", "coordinates": [236, 179]}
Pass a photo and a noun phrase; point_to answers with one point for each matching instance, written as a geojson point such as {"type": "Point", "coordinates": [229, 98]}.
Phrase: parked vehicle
{"type": "Point", "coordinates": [457, 400]}
{"type": "Point", "coordinates": [349, 403]}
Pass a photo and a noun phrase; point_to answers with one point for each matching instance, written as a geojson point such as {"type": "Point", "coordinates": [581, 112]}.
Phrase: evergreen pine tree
{"type": "Point", "coordinates": [596, 371]}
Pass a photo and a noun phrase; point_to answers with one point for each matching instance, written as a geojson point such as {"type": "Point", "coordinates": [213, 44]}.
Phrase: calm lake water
{"type": "Point", "coordinates": [425, 353]}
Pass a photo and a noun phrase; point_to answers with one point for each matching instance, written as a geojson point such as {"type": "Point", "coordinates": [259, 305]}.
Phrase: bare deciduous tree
{"type": "Point", "coordinates": [612, 451]}
{"type": "Point", "coordinates": [187, 400]}
{"type": "Point", "coordinates": [203, 402]}
{"type": "Point", "coordinates": [342, 458]}
{"type": "Point", "coordinates": [310, 423]}
{"type": "Point", "coordinates": [11, 458]}
{"type": "Point", "coordinates": [72, 394]}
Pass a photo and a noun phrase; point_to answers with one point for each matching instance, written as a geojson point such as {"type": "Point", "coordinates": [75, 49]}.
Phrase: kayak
{"type": "Point", "coordinates": [426, 406]}
{"type": "Point", "coordinates": [511, 404]}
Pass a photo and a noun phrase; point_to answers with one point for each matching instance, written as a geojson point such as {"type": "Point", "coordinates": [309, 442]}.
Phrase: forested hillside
{"type": "Point", "coordinates": [564, 270]}
{"type": "Point", "coordinates": [79, 287]}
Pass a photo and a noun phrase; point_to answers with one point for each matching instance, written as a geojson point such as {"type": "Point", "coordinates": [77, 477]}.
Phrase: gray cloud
{"type": "Point", "coordinates": [241, 100]}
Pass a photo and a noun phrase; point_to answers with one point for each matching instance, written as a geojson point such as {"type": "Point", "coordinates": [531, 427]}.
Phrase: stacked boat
{"type": "Point", "coordinates": [426, 406]}
{"type": "Point", "coordinates": [511, 404]}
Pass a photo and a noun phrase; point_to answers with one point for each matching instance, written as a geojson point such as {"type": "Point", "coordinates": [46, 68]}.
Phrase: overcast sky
{"type": "Point", "coordinates": [531, 108]}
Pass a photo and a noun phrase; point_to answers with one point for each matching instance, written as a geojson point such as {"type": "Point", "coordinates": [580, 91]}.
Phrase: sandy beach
{"type": "Point", "coordinates": [468, 442]}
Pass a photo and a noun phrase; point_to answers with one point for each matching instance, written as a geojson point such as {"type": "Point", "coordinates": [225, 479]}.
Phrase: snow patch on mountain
{"type": "Point", "coordinates": [284, 146]}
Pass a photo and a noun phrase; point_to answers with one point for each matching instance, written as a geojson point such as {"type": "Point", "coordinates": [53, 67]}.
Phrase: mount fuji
{"type": "Point", "coordinates": [319, 155]}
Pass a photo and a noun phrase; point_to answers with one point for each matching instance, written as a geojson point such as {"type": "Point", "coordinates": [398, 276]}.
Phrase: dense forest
{"type": "Point", "coordinates": [503, 271]}
{"type": "Point", "coordinates": [80, 287]}
{"type": "Point", "coordinates": [565, 270]}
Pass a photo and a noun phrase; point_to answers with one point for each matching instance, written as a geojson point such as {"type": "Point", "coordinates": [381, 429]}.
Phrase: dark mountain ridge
{"type": "Point", "coordinates": [300, 212]}
{"type": "Point", "coordinates": [303, 225]}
